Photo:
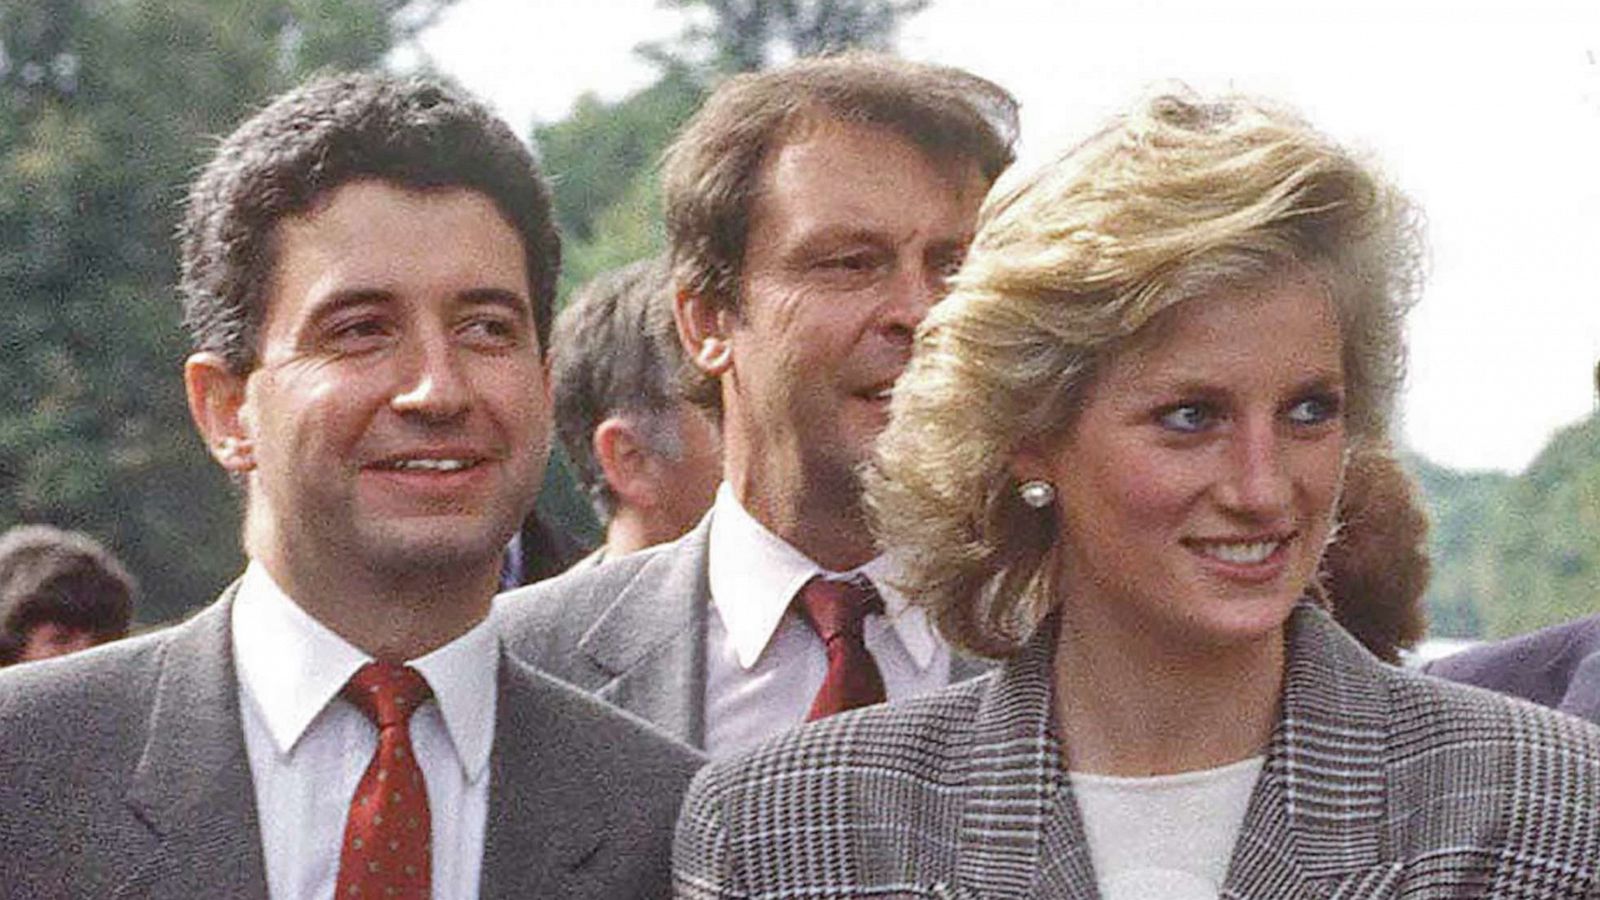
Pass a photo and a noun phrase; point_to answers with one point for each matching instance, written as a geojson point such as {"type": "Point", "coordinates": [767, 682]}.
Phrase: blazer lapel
{"type": "Point", "coordinates": [192, 785]}
{"type": "Point", "coordinates": [966, 668]}
{"type": "Point", "coordinates": [652, 641]}
{"type": "Point", "coordinates": [1314, 826]}
{"type": "Point", "coordinates": [1020, 832]}
{"type": "Point", "coordinates": [546, 804]}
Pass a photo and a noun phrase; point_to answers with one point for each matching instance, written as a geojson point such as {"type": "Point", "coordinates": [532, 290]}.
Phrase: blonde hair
{"type": "Point", "coordinates": [1178, 199]}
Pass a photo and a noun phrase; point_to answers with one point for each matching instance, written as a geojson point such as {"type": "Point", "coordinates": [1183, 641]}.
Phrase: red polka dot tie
{"type": "Point", "coordinates": [386, 836]}
{"type": "Point", "coordinates": [835, 611]}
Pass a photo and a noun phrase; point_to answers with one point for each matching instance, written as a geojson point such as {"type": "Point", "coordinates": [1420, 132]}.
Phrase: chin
{"type": "Point", "coordinates": [1238, 622]}
{"type": "Point", "coordinates": [450, 549]}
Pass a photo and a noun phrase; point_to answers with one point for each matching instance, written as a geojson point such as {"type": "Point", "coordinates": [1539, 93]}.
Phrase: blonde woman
{"type": "Point", "coordinates": [1114, 463]}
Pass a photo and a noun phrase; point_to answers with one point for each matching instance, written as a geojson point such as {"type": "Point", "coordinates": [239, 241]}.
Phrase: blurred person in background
{"type": "Point", "coordinates": [60, 592]}
{"type": "Point", "coordinates": [648, 459]}
{"type": "Point", "coordinates": [1114, 462]}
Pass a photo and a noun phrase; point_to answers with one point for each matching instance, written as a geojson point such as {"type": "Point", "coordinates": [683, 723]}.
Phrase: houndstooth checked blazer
{"type": "Point", "coordinates": [1378, 783]}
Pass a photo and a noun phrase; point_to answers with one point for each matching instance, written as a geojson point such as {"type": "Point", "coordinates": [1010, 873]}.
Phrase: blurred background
{"type": "Point", "coordinates": [1488, 113]}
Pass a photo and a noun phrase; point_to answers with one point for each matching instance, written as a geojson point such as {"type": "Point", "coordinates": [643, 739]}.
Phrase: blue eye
{"type": "Point", "coordinates": [1188, 418]}
{"type": "Point", "coordinates": [1315, 410]}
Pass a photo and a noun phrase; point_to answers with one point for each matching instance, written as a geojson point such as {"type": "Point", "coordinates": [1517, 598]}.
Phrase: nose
{"type": "Point", "coordinates": [1256, 483]}
{"type": "Point", "coordinates": [910, 294]}
{"type": "Point", "coordinates": [433, 385]}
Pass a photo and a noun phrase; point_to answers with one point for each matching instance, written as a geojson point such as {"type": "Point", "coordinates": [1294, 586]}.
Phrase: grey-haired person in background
{"type": "Point", "coordinates": [648, 459]}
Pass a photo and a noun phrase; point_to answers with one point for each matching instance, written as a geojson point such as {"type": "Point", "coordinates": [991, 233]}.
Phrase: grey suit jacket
{"type": "Point", "coordinates": [1558, 667]}
{"type": "Point", "coordinates": [633, 631]}
{"type": "Point", "coordinates": [125, 775]}
{"type": "Point", "coordinates": [1378, 783]}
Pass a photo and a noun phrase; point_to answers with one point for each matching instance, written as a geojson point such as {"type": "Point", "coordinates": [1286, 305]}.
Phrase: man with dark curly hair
{"type": "Point", "coordinates": [368, 270]}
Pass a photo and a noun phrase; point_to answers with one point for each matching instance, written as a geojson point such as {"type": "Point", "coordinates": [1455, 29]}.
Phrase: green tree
{"type": "Point", "coordinates": [1545, 544]}
{"type": "Point", "coordinates": [106, 109]}
{"type": "Point", "coordinates": [747, 35]}
{"type": "Point", "coordinates": [1515, 553]}
{"type": "Point", "coordinates": [1462, 507]}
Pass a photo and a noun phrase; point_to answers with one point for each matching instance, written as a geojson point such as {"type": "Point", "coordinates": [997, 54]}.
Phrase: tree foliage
{"type": "Point", "coordinates": [1512, 554]}
{"type": "Point", "coordinates": [747, 35]}
{"type": "Point", "coordinates": [106, 109]}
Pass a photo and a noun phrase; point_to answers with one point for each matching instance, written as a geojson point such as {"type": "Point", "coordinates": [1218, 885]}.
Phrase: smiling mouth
{"type": "Point", "coordinates": [1240, 553]}
{"type": "Point", "coordinates": [428, 464]}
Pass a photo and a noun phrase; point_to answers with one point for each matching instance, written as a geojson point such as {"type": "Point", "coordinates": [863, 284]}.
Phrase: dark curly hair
{"type": "Point", "coordinates": [414, 132]}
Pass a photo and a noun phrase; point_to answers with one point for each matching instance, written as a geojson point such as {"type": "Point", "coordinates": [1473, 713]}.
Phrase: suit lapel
{"type": "Point", "coordinates": [192, 785]}
{"type": "Point", "coordinates": [1314, 826]}
{"type": "Point", "coordinates": [547, 810]}
{"type": "Point", "coordinates": [966, 668]}
{"type": "Point", "coordinates": [1017, 837]}
{"type": "Point", "coordinates": [651, 640]}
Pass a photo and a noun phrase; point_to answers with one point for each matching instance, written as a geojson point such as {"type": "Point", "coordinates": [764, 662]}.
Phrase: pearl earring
{"type": "Point", "coordinates": [1037, 493]}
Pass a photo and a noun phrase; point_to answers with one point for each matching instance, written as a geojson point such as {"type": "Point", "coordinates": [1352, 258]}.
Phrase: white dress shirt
{"type": "Point", "coordinates": [764, 664]}
{"type": "Point", "coordinates": [308, 747]}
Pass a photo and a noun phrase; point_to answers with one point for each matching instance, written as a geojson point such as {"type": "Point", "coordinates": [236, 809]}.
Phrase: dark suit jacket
{"type": "Point", "coordinates": [633, 631]}
{"type": "Point", "coordinates": [125, 775]}
{"type": "Point", "coordinates": [1378, 783]}
{"type": "Point", "coordinates": [1558, 667]}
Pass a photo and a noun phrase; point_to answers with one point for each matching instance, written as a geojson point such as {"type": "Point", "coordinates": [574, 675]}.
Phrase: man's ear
{"type": "Point", "coordinates": [624, 458]}
{"type": "Point", "coordinates": [704, 331]}
{"type": "Point", "coordinates": [217, 405]}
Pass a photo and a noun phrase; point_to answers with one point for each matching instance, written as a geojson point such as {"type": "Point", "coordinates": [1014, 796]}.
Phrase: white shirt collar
{"type": "Point", "coordinates": [754, 574]}
{"type": "Point", "coordinates": [292, 666]}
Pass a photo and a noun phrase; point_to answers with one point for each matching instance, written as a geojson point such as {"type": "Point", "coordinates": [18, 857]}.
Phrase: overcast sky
{"type": "Point", "coordinates": [1487, 113]}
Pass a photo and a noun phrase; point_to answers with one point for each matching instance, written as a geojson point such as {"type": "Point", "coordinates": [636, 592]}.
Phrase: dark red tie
{"type": "Point", "coordinates": [835, 610]}
{"type": "Point", "coordinates": [386, 836]}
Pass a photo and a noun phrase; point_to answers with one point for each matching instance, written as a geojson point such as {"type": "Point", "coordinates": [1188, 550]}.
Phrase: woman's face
{"type": "Point", "coordinates": [1196, 488]}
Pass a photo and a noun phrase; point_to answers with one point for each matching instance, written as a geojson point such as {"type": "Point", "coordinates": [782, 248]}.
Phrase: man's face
{"type": "Point", "coordinates": [852, 235]}
{"type": "Point", "coordinates": [398, 419]}
{"type": "Point", "coordinates": [50, 639]}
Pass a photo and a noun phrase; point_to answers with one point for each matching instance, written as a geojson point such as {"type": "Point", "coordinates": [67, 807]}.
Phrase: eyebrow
{"type": "Point", "coordinates": [340, 301]}
{"type": "Point", "coordinates": [834, 237]}
{"type": "Point", "coordinates": [1188, 386]}
{"type": "Point", "coordinates": [494, 296]}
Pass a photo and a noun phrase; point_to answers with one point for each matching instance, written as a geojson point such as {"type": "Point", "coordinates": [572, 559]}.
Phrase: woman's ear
{"type": "Point", "coordinates": [1029, 463]}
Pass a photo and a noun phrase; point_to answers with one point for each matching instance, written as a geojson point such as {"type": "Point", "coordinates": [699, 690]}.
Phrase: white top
{"type": "Point", "coordinates": [764, 664]}
{"type": "Point", "coordinates": [1167, 837]}
{"type": "Point", "coordinates": [308, 747]}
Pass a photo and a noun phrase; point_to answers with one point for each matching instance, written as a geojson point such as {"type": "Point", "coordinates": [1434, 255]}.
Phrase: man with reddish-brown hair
{"type": "Point", "coordinates": [814, 213]}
